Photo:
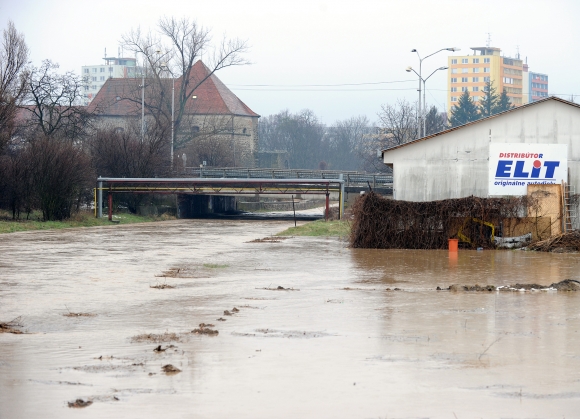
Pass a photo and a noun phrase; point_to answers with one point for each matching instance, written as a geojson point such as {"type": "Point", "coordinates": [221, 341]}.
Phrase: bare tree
{"type": "Point", "coordinates": [344, 139]}
{"type": "Point", "coordinates": [175, 48]}
{"type": "Point", "coordinates": [54, 103]}
{"type": "Point", "coordinates": [13, 59]}
{"type": "Point", "coordinates": [122, 153]}
{"type": "Point", "coordinates": [60, 174]}
{"type": "Point", "coordinates": [399, 123]}
{"type": "Point", "coordinates": [301, 135]}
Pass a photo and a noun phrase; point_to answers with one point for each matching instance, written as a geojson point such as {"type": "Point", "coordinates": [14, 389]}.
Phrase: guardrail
{"type": "Point", "coordinates": [350, 178]}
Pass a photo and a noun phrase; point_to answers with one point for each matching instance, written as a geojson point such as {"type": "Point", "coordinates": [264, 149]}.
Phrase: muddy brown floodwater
{"type": "Point", "coordinates": [296, 328]}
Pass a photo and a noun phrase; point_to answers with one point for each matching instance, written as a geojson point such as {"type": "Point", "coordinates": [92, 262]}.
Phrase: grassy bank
{"type": "Point", "coordinates": [84, 219]}
{"type": "Point", "coordinates": [319, 228]}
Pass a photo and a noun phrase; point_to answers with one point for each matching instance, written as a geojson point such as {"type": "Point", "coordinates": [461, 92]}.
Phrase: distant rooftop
{"type": "Point", "coordinates": [487, 50]}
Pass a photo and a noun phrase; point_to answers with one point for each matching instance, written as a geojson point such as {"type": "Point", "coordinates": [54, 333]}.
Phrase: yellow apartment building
{"type": "Point", "coordinates": [471, 73]}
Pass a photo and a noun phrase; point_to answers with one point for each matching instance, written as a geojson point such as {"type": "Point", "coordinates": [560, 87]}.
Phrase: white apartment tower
{"type": "Point", "coordinates": [94, 76]}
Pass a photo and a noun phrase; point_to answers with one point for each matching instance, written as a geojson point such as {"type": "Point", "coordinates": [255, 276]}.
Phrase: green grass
{"type": "Point", "coordinates": [83, 219]}
{"type": "Point", "coordinates": [214, 266]}
{"type": "Point", "coordinates": [319, 228]}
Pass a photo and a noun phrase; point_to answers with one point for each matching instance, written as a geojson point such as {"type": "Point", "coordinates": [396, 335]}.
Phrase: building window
{"type": "Point", "coordinates": [486, 79]}
{"type": "Point", "coordinates": [475, 98]}
{"type": "Point", "coordinates": [476, 79]}
{"type": "Point", "coordinates": [486, 60]}
{"type": "Point", "coordinates": [475, 88]}
{"type": "Point", "coordinates": [508, 80]}
{"type": "Point", "coordinates": [454, 61]}
{"type": "Point", "coordinates": [93, 87]}
{"type": "Point", "coordinates": [465, 70]}
{"type": "Point", "coordinates": [464, 60]}
{"type": "Point", "coordinates": [464, 89]}
{"type": "Point", "coordinates": [244, 131]}
{"type": "Point", "coordinates": [454, 89]}
{"type": "Point", "coordinates": [94, 70]}
{"type": "Point", "coordinates": [476, 61]}
{"type": "Point", "coordinates": [102, 78]}
{"type": "Point", "coordinates": [453, 79]}
{"type": "Point", "coordinates": [476, 70]}
{"type": "Point", "coordinates": [102, 69]}
{"type": "Point", "coordinates": [464, 79]}
{"type": "Point", "coordinates": [110, 69]}
{"type": "Point", "coordinates": [194, 129]}
{"type": "Point", "coordinates": [93, 79]}
{"type": "Point", "coordinates": [486, 70]}
{"type": "Point", "coordinates": [453, 71]}
{"type": "Point", "coordinates": [86, 70]}
{"type": "Point", "coordinates": [453, 99]}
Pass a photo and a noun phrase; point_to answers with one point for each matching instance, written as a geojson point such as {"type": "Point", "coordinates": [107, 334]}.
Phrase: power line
{"type": "Point", "coordinates": [321, 85]}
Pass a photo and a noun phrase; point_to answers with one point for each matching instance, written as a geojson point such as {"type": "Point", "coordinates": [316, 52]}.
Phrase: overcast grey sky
{"type": "Point", "coordinates": [320, 42]}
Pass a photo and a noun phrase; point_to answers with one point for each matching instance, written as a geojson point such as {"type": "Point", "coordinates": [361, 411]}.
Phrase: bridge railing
{"type": "Point", "coordinates": [351, 178]}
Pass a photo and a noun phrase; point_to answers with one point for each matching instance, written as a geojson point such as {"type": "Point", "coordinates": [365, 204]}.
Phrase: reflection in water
{"type": "Point", "coordinates": [342, 346]}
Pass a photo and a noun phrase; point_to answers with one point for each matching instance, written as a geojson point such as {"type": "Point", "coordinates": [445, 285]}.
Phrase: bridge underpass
{"type": "Point", "coordinates": [194, 194]}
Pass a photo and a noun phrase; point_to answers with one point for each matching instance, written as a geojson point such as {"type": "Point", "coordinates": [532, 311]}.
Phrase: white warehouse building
{"type": "Point", "coordinates": [537, 143]}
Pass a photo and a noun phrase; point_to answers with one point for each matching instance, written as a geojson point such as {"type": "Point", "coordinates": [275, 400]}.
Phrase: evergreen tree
{"type": "Point", "coordinates": [434, 121]}
{"type": "Point", "coordinates": [503, 104]}
{"type": "Point", "coordinates": [465, 111]}
{"type": "Point", "coordinates": [489, 103]}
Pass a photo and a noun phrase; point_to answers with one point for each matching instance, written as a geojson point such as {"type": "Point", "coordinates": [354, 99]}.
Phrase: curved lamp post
{"type": "Point", "coordinates": [421, 80]}
{"type": "Point", "coordinates": [409, 69]}
{"type": "Point", "coordinates": [166, 67]}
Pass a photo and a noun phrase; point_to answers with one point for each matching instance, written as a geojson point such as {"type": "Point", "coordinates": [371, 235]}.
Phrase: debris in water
{"type": "Point", "coordinates": [170, 369]}
{"type": "Point", "coordinates": [205, 329]}
{"type": "Point", "coordinates": [157, 338]}
{"type": "Point", "coordinates": [268, 240]}
{"type": "Point", "coordinates": [278, 288]}
{"type": "Point", "coordinates": [159, 349]}
{"type": "Point", "coordinates": [476, 287]}
{"type": "Point", "coordinates": [227, 313]}
{"type": "Point", "coordinates": [565, 285]}
{"type": "Point", "coordinates": [235, 310]}
{"type": "Point", "coordinates": [221, 319]}
{"type": "Point", "coordinates": [562, 243]}
{"type": "Point", "coordinates": [80, 403]}
{"type": "Point", "coordinates": [9, 327]}
{"type": "Point", "coordinates": [161, 286]}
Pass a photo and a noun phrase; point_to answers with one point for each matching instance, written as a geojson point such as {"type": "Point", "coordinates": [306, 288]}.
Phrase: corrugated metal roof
{"type": "Point", "coordinates": [481, 120]}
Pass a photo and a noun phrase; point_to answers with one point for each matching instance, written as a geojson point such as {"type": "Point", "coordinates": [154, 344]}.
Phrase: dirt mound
{"type": "Point", "coordinates": [562, 243]}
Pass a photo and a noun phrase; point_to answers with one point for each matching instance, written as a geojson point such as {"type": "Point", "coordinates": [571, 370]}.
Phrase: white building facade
{"type": "Point", "coordinates": [95, 76]}
{"type": "Point", "coordinates": [456, 163]}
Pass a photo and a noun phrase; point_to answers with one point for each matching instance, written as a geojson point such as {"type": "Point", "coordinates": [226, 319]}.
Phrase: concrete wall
{"type": "Point", "coordinates": [455, 164]}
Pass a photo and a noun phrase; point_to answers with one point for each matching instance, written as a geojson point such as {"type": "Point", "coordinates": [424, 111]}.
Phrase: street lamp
{"type": "Point", "coordinates": [164, 65]}
{"type": "Point", "coordinates": [421, 79]}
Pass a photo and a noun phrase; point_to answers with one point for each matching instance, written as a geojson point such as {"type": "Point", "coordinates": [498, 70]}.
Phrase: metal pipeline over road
{"type": "Point", "coordinates": [221, 186]}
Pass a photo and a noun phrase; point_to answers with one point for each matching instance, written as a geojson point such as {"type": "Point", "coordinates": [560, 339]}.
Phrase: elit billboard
{"type": "Point", "coordinates": [512, 167]}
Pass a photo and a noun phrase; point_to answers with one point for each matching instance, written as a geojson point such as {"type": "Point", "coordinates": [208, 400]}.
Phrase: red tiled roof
{"type": "Point", "coordinates": [121, 97]}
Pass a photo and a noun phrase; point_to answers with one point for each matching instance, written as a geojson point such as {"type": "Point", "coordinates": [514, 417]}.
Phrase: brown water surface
{"type": "Point", "coordinates": [337, 345]}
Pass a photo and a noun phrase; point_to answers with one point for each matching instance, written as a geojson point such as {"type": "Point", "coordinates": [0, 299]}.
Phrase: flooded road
{"type": "Point", "coordinates": [334, 343]}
